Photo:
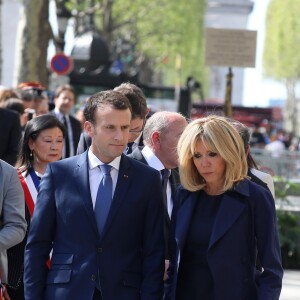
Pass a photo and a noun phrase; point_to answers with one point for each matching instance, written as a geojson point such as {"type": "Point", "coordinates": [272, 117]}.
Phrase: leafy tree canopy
{"type": "Point", "coordinates": [159, 30]}
{"type": "Point", "coordinates": [281, 53]}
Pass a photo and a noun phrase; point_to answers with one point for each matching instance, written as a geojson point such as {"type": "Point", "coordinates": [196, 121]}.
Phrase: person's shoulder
{"type": "Point", "coordinates": [8, 114]}
{"type": "Point", "coordinates": [257, 194]}
{"type": "Point", "coordinates": [69, 162]}
{"type": "Point", "coordinates": [74, 120]}
{"type": "Point", "coordinates": [261, 175]}
{"type": "Point", "coordinates": [136, 153]}
{"type": "Point", "coordinates": [142, 167]}
{"type": "Point", "coordinates": [7, 167]}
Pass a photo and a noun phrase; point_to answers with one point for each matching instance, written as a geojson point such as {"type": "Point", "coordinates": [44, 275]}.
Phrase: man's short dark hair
{"type": "Point", "coordinates": [65, 87]}
{"type": "Point", "coordinates": [136, 98]}
{"type": "Point", "coordinates": [113, 98]}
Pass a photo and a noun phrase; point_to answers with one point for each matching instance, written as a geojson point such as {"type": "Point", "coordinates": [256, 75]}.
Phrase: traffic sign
{"type": "Point", "coordinates": [61, 64]}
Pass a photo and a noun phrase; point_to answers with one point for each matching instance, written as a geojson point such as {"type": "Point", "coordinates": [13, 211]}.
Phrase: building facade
{"type": "Point", "coordinates": [230, 14]}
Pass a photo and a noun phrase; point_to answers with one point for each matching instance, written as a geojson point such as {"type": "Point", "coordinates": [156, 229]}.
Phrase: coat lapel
{"type": "Point", "coordinates": [83, 185]}
{"type": "Point", "coordinates": [183, 218]}
{"type": "Point", "coordinates": [229, 211]}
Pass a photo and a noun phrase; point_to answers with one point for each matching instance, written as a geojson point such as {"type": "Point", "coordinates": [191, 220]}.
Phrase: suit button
{"type": "Point", "coordinates": [100, 250]}
{"type": "Point", "coordinates": [93, 277]}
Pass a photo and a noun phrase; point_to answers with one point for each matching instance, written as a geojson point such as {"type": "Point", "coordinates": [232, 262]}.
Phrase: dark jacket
{"type": "Point", "coordinates": [245, 224]}
{"type": "Point", "coordinates": [10, 135]}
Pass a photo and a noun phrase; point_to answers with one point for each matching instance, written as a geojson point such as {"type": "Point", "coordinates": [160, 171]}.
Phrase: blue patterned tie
{"type": "Point", "coordinates": [104, 197]}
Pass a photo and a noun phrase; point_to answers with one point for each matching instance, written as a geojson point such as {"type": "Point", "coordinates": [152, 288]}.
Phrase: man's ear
{"type": "Point", "coordinates": [155, 139]}
{"type": "Point", "coordinates": [30, 143]}
{"type": "Point", "coordinates": [89, 128]}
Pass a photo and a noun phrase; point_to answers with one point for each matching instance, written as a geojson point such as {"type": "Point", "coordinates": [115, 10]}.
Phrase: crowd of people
{"type": "Point", "coordinates": [130, 205]}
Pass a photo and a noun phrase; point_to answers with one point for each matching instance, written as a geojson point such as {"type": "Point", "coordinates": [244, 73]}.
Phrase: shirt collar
{"type": "Point", "coordinates": [94, 161]}
{"type": "Point", "coordinates": [152, 159]}
{"type": "Point", "coordinates": [59, 114]}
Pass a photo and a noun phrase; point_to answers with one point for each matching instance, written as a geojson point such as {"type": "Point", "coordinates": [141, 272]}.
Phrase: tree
{"type": "Point", "coordinates": [157, 30]}
{"type": "Point", "coordinates": [32, 42]}
{"type": "Point", "coordinates": [281, 55]}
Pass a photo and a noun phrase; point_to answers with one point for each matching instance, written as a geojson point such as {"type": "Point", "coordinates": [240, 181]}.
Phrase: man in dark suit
{"type": "Point", "coordinates": [112, 249]}
{"type": "Point", "coordinates": [140, 111]}
{"type": "Point", "coordinates": [64, 101]}
{"type": "Point", "coordinates": [161, 134]}
{"type": "Point", "coordinates": [10, 135]}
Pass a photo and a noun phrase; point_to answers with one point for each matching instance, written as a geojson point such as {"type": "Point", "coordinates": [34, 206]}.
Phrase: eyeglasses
{"type": "Point", "coordinates": [137, 131]}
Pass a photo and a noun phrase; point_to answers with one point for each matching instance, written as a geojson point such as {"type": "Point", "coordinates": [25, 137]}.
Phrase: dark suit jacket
{"type": "Point", "coordinates": [245, 224]}
{"type": "Point", "coordinates": [76, 130]}
{"type": "Point", "coordinates": [174, 180]}
{"type": "Point", "coordinates": [85, 142]}
{"type": "Point", "coordinates": [10, 135]}
{"type": "Point", "coordinates": [129, 255]}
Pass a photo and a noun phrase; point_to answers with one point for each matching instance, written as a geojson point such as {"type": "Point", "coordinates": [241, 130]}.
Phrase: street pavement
{"type": "Point", "coordinates": [291, 285]}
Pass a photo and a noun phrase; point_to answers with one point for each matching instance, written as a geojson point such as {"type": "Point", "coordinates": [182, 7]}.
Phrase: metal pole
{"type": "Point", "coordinates": [228, 106]}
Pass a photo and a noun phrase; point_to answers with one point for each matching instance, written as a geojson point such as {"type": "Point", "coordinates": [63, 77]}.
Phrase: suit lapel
{"type": "Point", "coordinates": [83, 185]}
{"type": "Point", "coordinates": [124, 177]}
{"type": "Point", "coordinates": [137, 154]}
{"type": "Point", "coordinates": [230, 209]}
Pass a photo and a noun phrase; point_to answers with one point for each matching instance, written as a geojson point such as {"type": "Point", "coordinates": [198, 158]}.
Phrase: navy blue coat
{"type": "Point", "coordinates": [129, 255]}
{"type": "Point", "coordinates": [245, 225]}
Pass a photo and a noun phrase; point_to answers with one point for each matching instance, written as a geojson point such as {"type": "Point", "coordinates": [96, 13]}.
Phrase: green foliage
{"type": "Point", "coordinates": [288, 222]}
{"type": "Point", "coordinates": [281, 53]}
{"type": "Point", "coordinates": [159, 30]}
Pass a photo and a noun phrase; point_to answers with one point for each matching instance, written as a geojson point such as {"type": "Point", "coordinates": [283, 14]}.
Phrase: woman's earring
{"type": "Point", "coordinates": [30, 153]}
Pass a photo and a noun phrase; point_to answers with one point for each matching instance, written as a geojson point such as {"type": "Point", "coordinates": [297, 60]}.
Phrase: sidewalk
{"type": "Point", "coordinates": [291, 285]}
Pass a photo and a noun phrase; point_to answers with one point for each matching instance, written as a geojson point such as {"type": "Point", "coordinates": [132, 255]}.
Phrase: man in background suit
{"type": "Point", "coordinates": [10, 135]}
{"type": "Point", "coordinates": [161, 135]}
{"type": "Point", "coordinates": [140, 111]}
{"type": "Point", "coordinates": [12, 216]}
{"type": "Point", "coordinates": [124, 257]}
{"type": "Point", "coordinates": [64, 101]}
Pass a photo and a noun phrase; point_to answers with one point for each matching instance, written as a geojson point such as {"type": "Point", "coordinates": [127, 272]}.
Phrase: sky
{"type": "Point", "coordinates": [258, 90]}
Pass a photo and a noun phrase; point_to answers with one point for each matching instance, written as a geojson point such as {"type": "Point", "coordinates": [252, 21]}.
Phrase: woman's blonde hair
{"type": "Point", "coordinates": [219, 136]}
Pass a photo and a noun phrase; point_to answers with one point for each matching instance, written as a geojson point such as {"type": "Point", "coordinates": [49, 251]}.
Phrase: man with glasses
{"type": "Point", "coordinates": [140, 111]}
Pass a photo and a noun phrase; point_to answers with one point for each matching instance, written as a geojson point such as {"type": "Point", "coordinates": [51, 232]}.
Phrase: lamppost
{"type": "Point", "coordinates": [63, 16]}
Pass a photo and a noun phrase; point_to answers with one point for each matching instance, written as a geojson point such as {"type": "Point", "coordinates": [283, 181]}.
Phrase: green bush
{"type": "Point", "coordinates": [288, 223]}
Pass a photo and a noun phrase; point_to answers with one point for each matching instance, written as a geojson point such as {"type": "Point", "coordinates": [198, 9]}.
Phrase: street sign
{"type": "Point", "coordinates": [230, 47]}
{"type": "Point", "coordinates": [61, 64]}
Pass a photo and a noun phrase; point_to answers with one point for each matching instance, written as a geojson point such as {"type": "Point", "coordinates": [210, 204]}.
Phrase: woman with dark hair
{"type": "Point", "coordinates": [42, 143]}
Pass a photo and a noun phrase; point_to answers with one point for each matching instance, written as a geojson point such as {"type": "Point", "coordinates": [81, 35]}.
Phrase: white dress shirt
{"type": "Point", "coordinates": [155, 163]}
{"type": "Point", "coordinates": [95, 174]}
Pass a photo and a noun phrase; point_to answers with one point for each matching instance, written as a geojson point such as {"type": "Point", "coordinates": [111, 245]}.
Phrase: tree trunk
{"type": "Point", "coordinates": [291, 112]}
{"type": "Point", "coordinates": [32, 42]}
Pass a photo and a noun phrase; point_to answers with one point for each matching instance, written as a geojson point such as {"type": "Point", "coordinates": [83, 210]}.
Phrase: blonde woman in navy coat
{"type": "Point", "coordinates": [221, 221]}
